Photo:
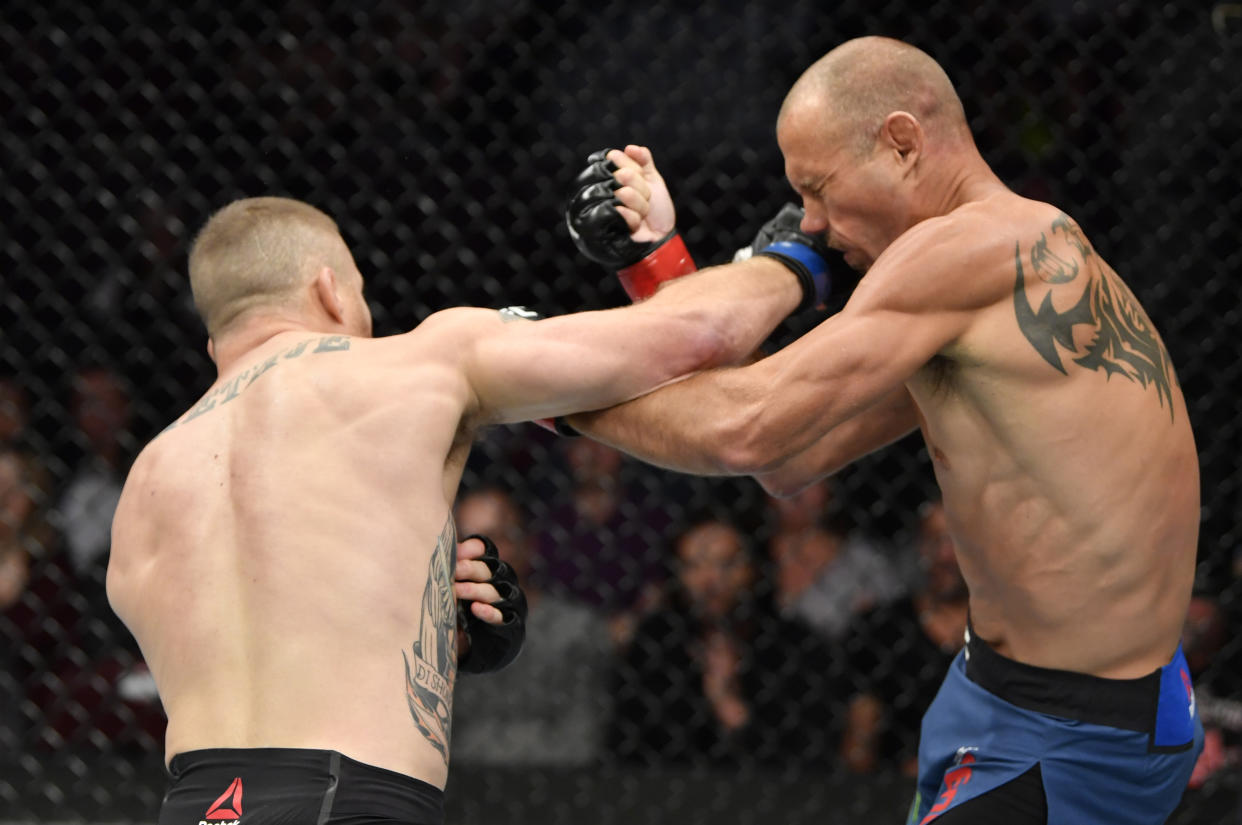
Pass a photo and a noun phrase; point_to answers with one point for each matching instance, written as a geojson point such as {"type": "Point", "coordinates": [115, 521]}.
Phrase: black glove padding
{"type": "Point", "coordinates": [806, 255]}
{"type": "Point", "coordinates": [594, 223]}
{"type": "Point", "coordinates": [786, 225]}
{"type": "Point", "coordinates": [494, 646]}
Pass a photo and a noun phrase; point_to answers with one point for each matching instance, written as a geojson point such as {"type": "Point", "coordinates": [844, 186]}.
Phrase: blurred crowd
{"type": "Point", "coordinates": [666, 627]}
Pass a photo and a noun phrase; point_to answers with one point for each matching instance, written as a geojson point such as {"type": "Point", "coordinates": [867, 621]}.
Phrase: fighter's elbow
{"type": "Point", "coordinates": [781, 484]}
{"type": "Point", "coordinates": [745, 447]}
{"type": "Point", "coordinates": [788, 480]}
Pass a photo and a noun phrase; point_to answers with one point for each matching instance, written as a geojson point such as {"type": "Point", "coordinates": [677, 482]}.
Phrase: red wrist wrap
{"type": "Point", "coordinates": [667, 261]}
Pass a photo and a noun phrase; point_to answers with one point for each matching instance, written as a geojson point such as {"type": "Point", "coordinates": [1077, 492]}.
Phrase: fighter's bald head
{"type": "Point", "coordinates": [858, 84]}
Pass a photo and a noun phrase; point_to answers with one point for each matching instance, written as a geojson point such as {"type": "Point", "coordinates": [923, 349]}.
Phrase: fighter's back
{"type": "Point", "coordinates": [296, 524]}
{"type": "Point", "coordinates": [284, 553]}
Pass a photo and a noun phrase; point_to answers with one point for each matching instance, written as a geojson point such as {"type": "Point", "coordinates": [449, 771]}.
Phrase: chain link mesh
{"type": "Point", "coordinates": [442, 136]}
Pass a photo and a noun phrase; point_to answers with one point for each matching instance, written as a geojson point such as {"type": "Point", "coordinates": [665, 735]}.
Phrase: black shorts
{"type": "Point", "coordinates": [292, 786]}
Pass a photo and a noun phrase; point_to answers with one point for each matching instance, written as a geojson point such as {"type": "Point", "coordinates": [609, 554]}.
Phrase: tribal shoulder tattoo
{"type": "Point", "coordinates": [431, 666]}
{"type": "Point", "coordinates": [1125, 342]}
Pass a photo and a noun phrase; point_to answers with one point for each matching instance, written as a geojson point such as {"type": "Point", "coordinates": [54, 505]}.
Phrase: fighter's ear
{"type": "Point", "coordinates": [903, 134]}
{"type": "Point", "coordinates": [328, 292]}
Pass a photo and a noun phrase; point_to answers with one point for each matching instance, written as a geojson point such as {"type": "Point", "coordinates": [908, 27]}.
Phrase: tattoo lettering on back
{"type": "Point", "coordinates": [432, 665]}
{"type": "Point", "coordinates": [1125, 342]}
{"type": "Point", "coordinates": [234, 387]}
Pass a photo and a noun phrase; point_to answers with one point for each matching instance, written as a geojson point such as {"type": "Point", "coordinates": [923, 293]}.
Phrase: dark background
{"type": "Point", "coordinates": [442, 137]}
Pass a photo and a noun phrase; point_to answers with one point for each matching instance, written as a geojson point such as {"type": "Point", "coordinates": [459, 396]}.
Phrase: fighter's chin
{"type": "Point", "coordinates": [857, 261]}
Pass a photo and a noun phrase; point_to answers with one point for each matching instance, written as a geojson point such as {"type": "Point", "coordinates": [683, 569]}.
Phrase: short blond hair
{"type": "Point", "coordinates": [259, 253]}
{"type": "Point", "coordinates": [859, 83]}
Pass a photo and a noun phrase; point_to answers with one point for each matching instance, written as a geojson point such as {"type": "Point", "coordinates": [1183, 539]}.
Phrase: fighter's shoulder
{"type": "Point", "coordinates": [142, 473]}
{"type": "Point", "coordinates": [995, 225]}
{"type": "Point", "coordinates": [965, 257]}
{"type": "Point", "coordinates": [978, 229]}
{"type": "Point", "coordinates": [440, 336]}
{"type": "Point", "coordinates": [1020, 233]}
{"type": "Point", "coordinates": [464, 323]}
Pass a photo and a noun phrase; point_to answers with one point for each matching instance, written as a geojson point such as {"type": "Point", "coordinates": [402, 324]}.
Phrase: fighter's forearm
{"type": "Point", "coordinates": [877, 426]}
{"type": "Point", "coordinates": [740, 303]}
{"type": "Point", "coordinates": [677, 427]}
{"type": "Point", "coordinates": [591, 360]}
{"type": "Point", "coordinates": [684, 427]}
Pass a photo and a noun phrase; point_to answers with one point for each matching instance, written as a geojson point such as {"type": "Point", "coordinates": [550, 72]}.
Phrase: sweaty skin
{"type": "Point", "coordinates": [1058, 432]}
{"type": "Point", "coordinates": [284, 552]}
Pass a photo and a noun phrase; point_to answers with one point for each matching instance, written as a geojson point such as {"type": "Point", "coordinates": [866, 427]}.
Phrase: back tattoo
{"type": "Point", "coordinates": [429, 683]}
{"type": "Point", "coordinates": [1125, 341]}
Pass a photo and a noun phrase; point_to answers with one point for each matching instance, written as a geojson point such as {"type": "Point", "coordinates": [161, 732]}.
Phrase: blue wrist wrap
{"type": "Point", "coordinates": [812, 264]}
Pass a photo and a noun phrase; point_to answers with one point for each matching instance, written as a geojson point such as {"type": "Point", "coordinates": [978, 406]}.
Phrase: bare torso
{"type": "Point", "coordinates": [1063, 450]}
{"type": "Point", "coordinates": [284, 567]}
{"type": "Point", "coordinates": [284, 553]}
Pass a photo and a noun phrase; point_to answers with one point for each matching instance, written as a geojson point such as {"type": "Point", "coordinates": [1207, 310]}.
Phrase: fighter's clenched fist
{"type": "Point", "coordinates": [621, 215]}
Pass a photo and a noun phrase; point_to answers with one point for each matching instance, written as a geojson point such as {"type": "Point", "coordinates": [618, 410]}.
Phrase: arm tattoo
{"type": "Point", "coordinates": [1125, 342]}
{"type": "Point", "coordinates": [429, 678]}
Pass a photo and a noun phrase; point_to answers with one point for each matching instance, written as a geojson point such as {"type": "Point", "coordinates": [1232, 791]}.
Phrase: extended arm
{"type": "Point", "coordinates": [755, 420]}
{"type": "Point", "coordinates": [519, 370]}
{"type": "Point", "coordinates": [783, 418]}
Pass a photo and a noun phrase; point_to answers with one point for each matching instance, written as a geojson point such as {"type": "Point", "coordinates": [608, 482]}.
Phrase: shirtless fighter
{"type": "Point", "coordinates": [1056, 426]}
{"type": "Point", "coordinates": [284, 552]}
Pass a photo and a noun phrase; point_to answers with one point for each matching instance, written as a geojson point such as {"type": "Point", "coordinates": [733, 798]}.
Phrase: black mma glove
{"type": "Point", "coordinates": [806, 255]}
{"type": "Point", "coordinates": [492, 647]}
{"type": "Point", "coordinates": [602, 235]}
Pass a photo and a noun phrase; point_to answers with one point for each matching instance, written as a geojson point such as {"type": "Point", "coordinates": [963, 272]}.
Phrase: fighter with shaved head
{"type": "Point", "coordinates": [1056, 426]}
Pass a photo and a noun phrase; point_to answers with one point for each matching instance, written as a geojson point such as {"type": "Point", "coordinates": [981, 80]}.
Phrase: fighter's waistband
{"type": "Point", "coordinates": [1129, 704]}
{"type": "Point", "coordinates": [293, 784]}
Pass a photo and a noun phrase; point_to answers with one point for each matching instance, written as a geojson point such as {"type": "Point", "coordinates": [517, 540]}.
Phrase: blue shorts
{"type": "Point", "coordinates": [1107, 750]}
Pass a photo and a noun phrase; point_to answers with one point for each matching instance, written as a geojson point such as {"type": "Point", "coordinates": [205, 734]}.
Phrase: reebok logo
{"type": "Point", "coordinates": [226, 810]}
{"type": "Point", "coordinates": [1190, 691]}
{"type": "Point", "coordinates": [954, 778]}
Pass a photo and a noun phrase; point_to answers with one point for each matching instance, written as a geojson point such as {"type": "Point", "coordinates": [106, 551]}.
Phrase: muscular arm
{"type": "Point", "coordinates": [520, 370]}
{"type": "Point", "coordinates": [782, 418]}
{"type": "Point", "coordinates": [832, 396]}
{"type": "Point", "coordinates": [663, 429]}
{"type": "Point", "coordinates": [890, 418]}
